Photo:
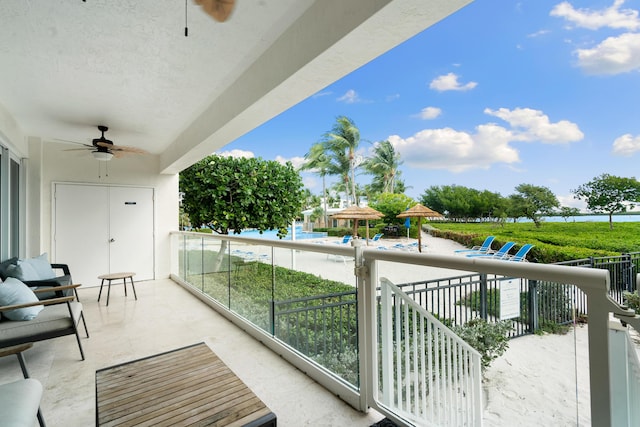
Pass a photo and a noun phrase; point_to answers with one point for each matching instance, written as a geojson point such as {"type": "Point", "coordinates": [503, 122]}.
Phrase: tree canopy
{"type": "Point", "coordinates": [463, 203]}
{"type": "Point", "coordinates": [566, 212]}
{"type": "Point", "coordinates": [383, 165]}
{"type": "Point", "coordinates": [535, 201]}
{"type": "Point", "coordinates": [231, 194]}
{"type": "Point", "coordinates": [340, 145]}
{"type": "Point", "coordinates": [609, 194]}
{"type": "Point", "coordinates": [392, 204]}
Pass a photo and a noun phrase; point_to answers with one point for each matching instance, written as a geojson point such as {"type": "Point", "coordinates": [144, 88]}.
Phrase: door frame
{"type": "Point", "coordinates": [52, 251]}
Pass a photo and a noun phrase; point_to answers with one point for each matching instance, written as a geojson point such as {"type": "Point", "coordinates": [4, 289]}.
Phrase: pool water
{"type": "Point", "coordinates": [273, 234]}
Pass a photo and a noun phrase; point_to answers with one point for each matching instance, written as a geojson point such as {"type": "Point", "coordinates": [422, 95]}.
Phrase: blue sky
{"type": "Point", "coordinates": [498, 94]}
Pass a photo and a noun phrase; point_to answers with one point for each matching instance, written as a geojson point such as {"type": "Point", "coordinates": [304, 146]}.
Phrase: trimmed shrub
{"type": "Point", "coordinates": [489, 339]}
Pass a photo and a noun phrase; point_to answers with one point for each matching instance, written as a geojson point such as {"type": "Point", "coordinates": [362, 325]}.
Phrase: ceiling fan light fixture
{"type": "Point", "coordinates": [103, 156]}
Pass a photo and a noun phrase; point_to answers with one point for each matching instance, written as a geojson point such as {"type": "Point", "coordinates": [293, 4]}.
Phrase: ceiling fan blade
{"type": "Point", "coordinates": [220, 10]}
{"type": "Point", "coordinates": [87, 148]}
{"type": "Point", "coordinates": [66, 141]}
{"type": "Point", "coordinates": [121, 148]}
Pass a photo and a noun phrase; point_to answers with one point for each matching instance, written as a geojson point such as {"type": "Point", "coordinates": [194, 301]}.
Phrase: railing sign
{"type": "Point", "coordinates": [509, 299]}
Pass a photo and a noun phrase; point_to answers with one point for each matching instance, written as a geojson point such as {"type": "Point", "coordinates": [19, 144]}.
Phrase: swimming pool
{"type": "Point", "coordinates": [273, 234]}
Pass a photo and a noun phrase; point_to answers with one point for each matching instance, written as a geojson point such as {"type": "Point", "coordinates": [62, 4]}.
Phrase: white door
{"type": "Point", "coordinates": [81, 232]}
{"type": "Point", "coordinates": [101, 229]}
{"type": "Point", "coordinates": [131, 233]}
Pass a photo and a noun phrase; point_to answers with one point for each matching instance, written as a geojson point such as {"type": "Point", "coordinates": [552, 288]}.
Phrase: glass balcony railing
{"type": "Point", "coordinates": [307, 300]}
{"type": "Point", "coordinates": [322, 306]}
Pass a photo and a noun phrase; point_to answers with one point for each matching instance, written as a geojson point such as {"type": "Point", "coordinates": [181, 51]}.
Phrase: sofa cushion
{"type": "Point", "coordinates": [41, 266]}
{"type": "Point", "coordinates": [22, 272]}
{"type": "Point", "coordinates": [19, 402]}
{"type": "Point", "coordinates": [12, 292]}
{"type": "Point", "coordinates": [4, 265]}
{"type": "Point", "coordinates": [28, 269]}
{"type": "Point", "coordinates": [52, 321]}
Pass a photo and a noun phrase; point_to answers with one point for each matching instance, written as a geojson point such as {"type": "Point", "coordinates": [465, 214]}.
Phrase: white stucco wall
{"type": "Point", "coordinates": [49, 163]}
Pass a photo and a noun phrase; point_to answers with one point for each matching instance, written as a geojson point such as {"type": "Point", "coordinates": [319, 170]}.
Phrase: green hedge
{"type": "Point", "coordinates": [554, 242]}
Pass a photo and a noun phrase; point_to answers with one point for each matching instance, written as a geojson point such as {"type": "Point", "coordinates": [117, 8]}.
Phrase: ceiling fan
{"type": "Point", "coordinates": [220, 10]}
{"type": "Point", "coordinates": [104, 150]}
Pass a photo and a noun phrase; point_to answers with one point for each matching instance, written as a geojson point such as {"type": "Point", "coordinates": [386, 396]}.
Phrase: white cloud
{"type": "Point", "coordinates": [350, 97]}
{"type": "Point", "coordinates": [534, 125]}
{"type": "Point", "coordinates": [457, 151]}
{"type": "Point", "coordinates": [237, 154]}
{"type": "Point", "coordinates": [430, 113]}
{"type": "Point", "coordinates": [393, 97]}
{"type": "Point", "coordinates": [310, 182]}
{"type": "Point", "coordinates": [450, 82]}
{"type": "Point", "coordinates": [538, 33]}
{"type": "Point", "coordinates": [571, 202]}
{"type": "Point", "coordinates": [626, 145]}
{"type": "Point", "coordinates": [612, 17]}
{"type": "Point", "coordinates": [614, 55]}
{"type": "Point", "coordinates": [295, 161]}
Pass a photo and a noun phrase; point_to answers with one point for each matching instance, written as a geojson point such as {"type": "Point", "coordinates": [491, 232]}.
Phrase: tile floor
{"type": "Point", "coordinates": [166, 317]}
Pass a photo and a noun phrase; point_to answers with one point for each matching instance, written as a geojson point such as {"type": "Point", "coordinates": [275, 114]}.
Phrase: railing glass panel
{"type": "Point", "coordinates": [456, 297]}
{"type": "Point", "coordinates": [315, 308]}
{"type": "Point", "coordinates": [304, 298]}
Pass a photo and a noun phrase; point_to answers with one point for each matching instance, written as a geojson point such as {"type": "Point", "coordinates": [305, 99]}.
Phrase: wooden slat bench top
{"type": "Point", "coordinates": [187, 386]}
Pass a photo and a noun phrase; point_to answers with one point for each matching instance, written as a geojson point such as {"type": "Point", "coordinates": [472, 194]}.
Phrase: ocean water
{"type": "Point", "coordinates": [588, 218]}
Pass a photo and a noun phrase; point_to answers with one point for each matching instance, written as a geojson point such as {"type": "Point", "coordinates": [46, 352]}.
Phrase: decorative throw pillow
{"type": "Point", "coordinates": [13, 292]}
{"type": "Point", "coordinates": [22, 271]}
{"type": "Point", "coordinates": [4, 265]}
{"type": "Point", "coordinates": [41, 266]}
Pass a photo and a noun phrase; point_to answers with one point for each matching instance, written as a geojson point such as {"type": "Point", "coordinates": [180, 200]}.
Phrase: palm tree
{"type": "Point", "coordinates": [384, 165]}
{"type": "Point", "coordinates": [318, 160]}
{"type": "Point", "coordinates": [341, 143]}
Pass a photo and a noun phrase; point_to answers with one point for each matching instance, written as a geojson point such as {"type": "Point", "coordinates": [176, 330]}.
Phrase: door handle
{"type": "Point", "coordinates": [112, 240]}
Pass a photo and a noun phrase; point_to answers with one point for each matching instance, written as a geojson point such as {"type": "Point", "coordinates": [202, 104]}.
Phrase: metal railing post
{"type": "Point", "coordinates": [628, 272]}
{"type": "Point", "coordinates": [533, 306]}
{"type": "Point", "coordinates": [599, 364]}
{"type": "Point", "coordinates": [272, 316]}
{"type": "Point", "coordinates": [365, 327]}
{"type": "Point", "coordinates": [483, 296]}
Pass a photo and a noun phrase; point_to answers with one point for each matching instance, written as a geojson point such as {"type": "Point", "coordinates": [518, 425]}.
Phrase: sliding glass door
{"type": "Point", "coordinates": [10, 218]}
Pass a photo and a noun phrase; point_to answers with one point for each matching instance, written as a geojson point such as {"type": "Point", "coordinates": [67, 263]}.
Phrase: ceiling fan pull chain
{"type": "Point", "coordinates": [186, 30]}
{"type": "Point", "coordinates": [106, 170]}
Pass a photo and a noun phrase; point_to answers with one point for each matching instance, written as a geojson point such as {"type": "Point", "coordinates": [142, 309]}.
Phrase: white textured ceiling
{"type": "Point", "coordinates": [67, 66]}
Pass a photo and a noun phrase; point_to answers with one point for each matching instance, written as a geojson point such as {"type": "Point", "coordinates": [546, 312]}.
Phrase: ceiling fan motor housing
{"type": "Point", "coordinates": [102, 139]}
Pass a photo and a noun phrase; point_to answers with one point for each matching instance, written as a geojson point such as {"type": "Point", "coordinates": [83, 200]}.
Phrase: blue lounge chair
{"type": "Point", "coordinates": [377, 237]}
{"type": "Point", "coordinates": [521, 255]}
{"type": "Point", "coordinates": [482, 249]}
{"type": "Point", "coordinates": [400, 246]}
{"type": "Point", "coordinates": [345, 239]}
{"type": "Point", "coordinates": [501, 253]}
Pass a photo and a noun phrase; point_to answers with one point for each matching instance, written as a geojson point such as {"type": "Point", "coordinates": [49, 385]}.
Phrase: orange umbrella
{"type": "Point", "coordinates": [356, 213]}
{"type": "Point", "coordinates": [419, 211]}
